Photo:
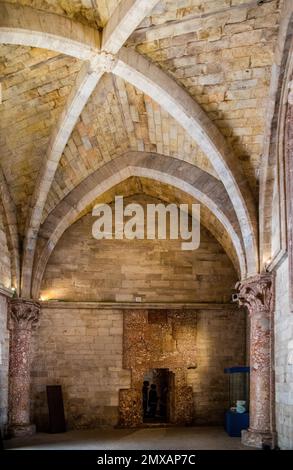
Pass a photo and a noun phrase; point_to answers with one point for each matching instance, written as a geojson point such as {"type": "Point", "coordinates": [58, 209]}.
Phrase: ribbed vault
{"type": "Point", "coordinates": [207, 190]}
{"type": "Point", "coordinates": [131, 76]}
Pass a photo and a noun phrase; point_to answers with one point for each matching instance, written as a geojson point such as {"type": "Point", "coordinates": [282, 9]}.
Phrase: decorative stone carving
{"type": "Point", "coordinates": [23, 318]}
{"type": "Point", "coordinates": [257, 294]}
{"type": "Point", "coordinates": [23, 314]}
{"type": "Point", "coordinates": [104, 61]}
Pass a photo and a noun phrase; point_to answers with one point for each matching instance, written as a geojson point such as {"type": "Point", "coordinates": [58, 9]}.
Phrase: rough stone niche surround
{"type": "Point", "coordinates": [158, 339]}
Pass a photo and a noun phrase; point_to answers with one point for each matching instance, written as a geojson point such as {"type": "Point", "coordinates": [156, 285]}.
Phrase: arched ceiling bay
{"type": "Point", "coordinates": [133, 186]}
{"type": "Point", "coordinates": [205, 42]}
{"type": "Point", "coordinates": [188, 268]}
{"type": "Point", "coordinates": [118, 118]}
{"type": "Point", "coordinates": [27, 26]}
{"type": "Point", "coordinates": [222, 52]}
{"type": "Point", "coordinates": [35, 86]}
{"type": "Point", "coordinates": [186, 177]}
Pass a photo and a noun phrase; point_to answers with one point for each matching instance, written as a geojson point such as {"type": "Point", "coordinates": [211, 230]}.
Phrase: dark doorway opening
{"type": "Point", "coordinates": [157, 396]}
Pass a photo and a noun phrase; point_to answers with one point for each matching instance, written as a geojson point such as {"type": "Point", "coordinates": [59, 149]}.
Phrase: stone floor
{"type": "Point", "coordinates": [164, 438]}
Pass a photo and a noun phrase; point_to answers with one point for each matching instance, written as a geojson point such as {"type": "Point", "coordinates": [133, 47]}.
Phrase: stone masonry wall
{"type": "Point", "coordinates": [284, 359]}
{"type": "Point", "coordinates": [222, 53]}
{"type": "Point", "coordinates": [221, 338]}
{"type": "Point", "coordinates": [82, 349]}
{"type": "Point", "coordinates": [84, 269]}
{"type": "Point", "coordinates": [4, 354]}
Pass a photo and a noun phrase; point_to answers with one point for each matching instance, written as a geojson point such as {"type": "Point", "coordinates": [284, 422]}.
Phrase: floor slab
{"type": "Point", "coordinates": [167, 438]}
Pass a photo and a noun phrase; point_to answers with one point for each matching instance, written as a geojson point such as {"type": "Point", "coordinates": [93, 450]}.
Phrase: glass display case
{"type": "Point", "coordinates": [237, 416]}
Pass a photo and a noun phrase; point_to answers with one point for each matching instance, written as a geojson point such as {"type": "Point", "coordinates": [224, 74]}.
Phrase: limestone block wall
{"type": "Point", "coordinates": [84, 269]}
{"type": "Point", "coordinates": [4, 355]}
{"type": "Point", "coordinates": [221, 342]}
{"type": "Point", "coordinates": [284, 359]}
{"type": "Point", "coordinates": [81, 350]}
{"type": "Point", "coordinates": [224, 60]}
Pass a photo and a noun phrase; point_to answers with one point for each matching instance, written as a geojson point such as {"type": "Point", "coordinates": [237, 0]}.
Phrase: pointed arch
{"type": "Point", "coordinates": [168, 170]}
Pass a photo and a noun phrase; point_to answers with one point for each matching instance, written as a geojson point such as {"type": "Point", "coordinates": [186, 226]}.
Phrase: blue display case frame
{"type": "Point", "coordinates": [236, 422]}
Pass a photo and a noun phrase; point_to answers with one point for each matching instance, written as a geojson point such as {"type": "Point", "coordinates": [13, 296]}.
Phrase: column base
{"type": "Point", "coordinates": [21, 430]}
{"type": "Point", "coordinates": [253, 438]}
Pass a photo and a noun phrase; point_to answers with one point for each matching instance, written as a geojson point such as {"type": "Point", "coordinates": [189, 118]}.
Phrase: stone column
{"type": "Point", "coordinates": [257, 295]}
{"type": "Point", "coordinates": [23, 317]}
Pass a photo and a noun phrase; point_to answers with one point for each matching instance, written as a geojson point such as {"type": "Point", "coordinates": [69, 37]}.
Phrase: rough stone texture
{"type": "Point", "coordinates": [82, 268]}
{"type": "Point", "coordinates": [258, 295]}
{"type": "Point", "coordinates": [4, 354]}
{"type": "Point", "coordinates": [82, 351]}
{"type": "Point", "coordinates": [284, 359]}
{"type": "Point", "coordinates": [158, 340]}
{"type": "Point", "coordinates": [23, 318]}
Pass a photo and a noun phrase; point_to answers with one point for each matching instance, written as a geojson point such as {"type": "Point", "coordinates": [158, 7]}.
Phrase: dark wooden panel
{"type": "Point", "coordinates": [56, 409]}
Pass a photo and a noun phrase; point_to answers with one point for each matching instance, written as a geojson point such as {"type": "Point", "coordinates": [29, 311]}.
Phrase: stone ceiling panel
{"type": "Point", "coordinates": [168, 11]}
{"type": "Point", "coordinates": [35, 86]}
{"type": "Point", "coordinates": [95, 13]}
{"type": "Point", "coordinates": [221, 51]}
{"type": "Point", "coordinates": [118, 118]}
{"type": "Point", "coordinates": [98, 136]}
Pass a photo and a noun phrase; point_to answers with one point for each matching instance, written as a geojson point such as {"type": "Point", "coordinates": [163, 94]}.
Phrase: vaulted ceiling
{"type": "Point", "coordinates": [95, 13]}
{"type": "Point", "coordinates": [186, 79]}
{"type": "Point", "coordinates": [222, 53]}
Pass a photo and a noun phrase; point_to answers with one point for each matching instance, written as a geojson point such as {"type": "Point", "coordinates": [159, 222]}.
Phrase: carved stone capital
{"type": "Point", "coordinates": [256, 293]}
{"type": "Point", "coordinates": [23, 314]}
